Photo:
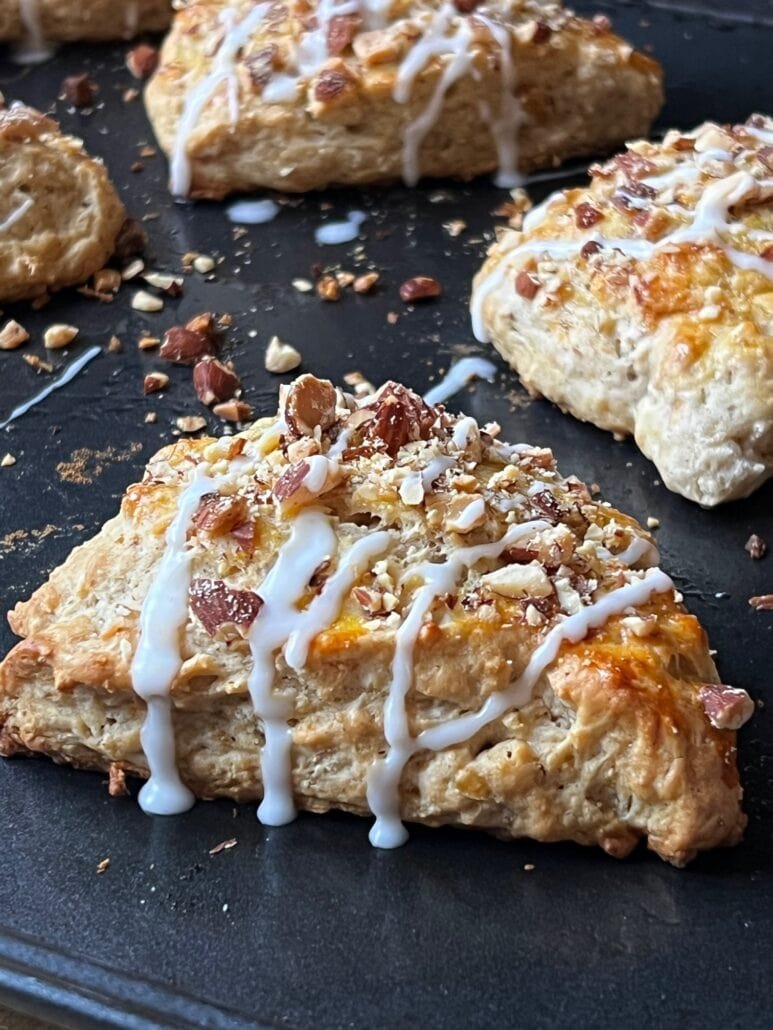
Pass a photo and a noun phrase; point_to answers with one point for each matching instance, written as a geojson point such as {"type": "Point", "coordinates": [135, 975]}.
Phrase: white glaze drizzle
{"type": "Point", "coordinates": [311, 542]}
{"type": "Point", "coordinates": [708, 220]}
{"type": "Point", "coordinates": [223, 71]}
{"type": "Point", "coordinates": [458, 376]}
{"type": "Point", "coordinates": [34, 49]}
{"type": "Point", "coordinates": [16, 214]}
{"type": "Point", "coordinates": [69, 373]}
{"type": "Point", "coordinates": [157, 659]}
{"type": "Point", "coordinates": [333, 233]}
{"type": "Point", "coordinates": [385, 774]}
{"type": "Point", "coordinates": [384, 782]}
{"type": "Point", "coordinates": [252, 212]}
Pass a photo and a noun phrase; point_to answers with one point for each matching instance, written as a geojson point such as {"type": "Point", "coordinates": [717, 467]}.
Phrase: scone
{"type": "Point", "coordinates": [382, 608]}
{"type": "Point", "coordinates": [38, 22]}
{"type": "Point", "coordinates": [60, 216]}
{"type": "Point", "coordinates": [300, 95]}
{"type": "Point", "coordinates": [644, 303]}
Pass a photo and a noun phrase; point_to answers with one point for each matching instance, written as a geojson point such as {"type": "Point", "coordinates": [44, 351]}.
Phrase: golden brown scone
{"type": "Point", "coordinates": [37, 22]}
{"type": "Point", "coordinates": [300, 95]}
{"type": "Point", "coordinates": [363, 570]}
{"type": "Point", "coordinates": [644, 303]}
{"type": "Point", "coordinates": [59, 214]}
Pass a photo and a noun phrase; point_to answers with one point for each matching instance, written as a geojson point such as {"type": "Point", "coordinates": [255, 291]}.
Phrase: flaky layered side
{"type": "Point", "coordinates": [474, 560]}
{"type": "Point", "coordinates": [295, 96]}
{"type": "Point", "coordinates": [60, 215]}
{"type": "Point", "coordinates": [37, 22]}
{"type": "Point", "coordinates": [644, 303]}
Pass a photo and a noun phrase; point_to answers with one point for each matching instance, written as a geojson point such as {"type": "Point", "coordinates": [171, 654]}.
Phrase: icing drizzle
{"type": "Point", "coordinates": [286, 625]}
{"type": "Point", "coordinates": [708, 223]}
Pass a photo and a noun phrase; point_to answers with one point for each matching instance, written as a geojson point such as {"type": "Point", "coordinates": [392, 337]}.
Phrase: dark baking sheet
{"type": "Point", "coordinates": [307, 925]}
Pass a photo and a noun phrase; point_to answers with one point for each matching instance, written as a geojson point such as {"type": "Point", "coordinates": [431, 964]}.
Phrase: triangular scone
{"type": "Point", "coordinates": [36, 23]}
{"type": "Point", "coordinates": [299, 95]}
{"type": "Point", "coordinates": [644, 303]}
{"type": "Point", "coordinates": [60, 216]}
{"type": "Point", "coordinates": [360, 572]}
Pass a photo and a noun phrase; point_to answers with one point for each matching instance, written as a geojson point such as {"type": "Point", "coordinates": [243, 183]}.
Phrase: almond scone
{"type": "Point", "coordinates": [300, 95]}
{"type": "Point", "coordinates": [37, 23]}
{"type": "Point", "coordinates": [380, 607]}
{"type": "Point", "coordinates": [644, 303]}
{"type": "Point", "coordinates": [60, 216]}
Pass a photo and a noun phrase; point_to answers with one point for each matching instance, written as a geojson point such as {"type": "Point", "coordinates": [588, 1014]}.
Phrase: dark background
{"type": "Point", "coordinates": [307, 925]}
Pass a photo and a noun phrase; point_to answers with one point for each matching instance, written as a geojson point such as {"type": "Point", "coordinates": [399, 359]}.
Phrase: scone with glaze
{"type": "Point", "coordinates": [380, 607]}
{"type": "Point", "coordinates": [644, 303]}
{"type": "Point", "coordinates": [299, 95]}
{"type": "Point", "coordinates": [36, 23]}
{"type": "Point", "coordinates": [60, 216]}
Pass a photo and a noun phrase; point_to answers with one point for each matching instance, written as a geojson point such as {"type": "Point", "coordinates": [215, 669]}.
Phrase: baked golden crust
{"type": "Point", "coordinates": [303, 100]}
{"type": "Point", "coordinates": [55, 21]}
{"type": "Point", "coordinates": [644, 303]}
{"type": "Point", "coordinates": [59, 213]}
{"type": "Point", "coordinates": [612, 744]}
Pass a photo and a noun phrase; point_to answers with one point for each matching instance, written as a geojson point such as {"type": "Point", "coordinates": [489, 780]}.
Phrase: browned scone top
{"type": "Point", "coordinates": [38, 22]}
{"type": "Point", "coordinates": [626, 735]}
{"type": "Point", "coordinates": [295, 96]}
{"type": "Point", "coordinates": [60, 215]}
{"type": "Point", "coordinates": [644, 303]}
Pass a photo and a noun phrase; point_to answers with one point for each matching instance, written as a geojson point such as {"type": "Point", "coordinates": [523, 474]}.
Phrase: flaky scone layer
{"type": "Point", "coordinates": [53, 21]}
{"type": "Point", "coordinates": [644, 303]}
{"type": "Point", "coordinates": [617, 740]}
{"type": "Point", "coordinates": [60, 215]}
{"type": "Point", "coordinates": [301, 97]}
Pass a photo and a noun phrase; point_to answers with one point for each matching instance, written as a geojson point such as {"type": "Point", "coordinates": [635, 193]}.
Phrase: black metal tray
{"type": "Point", "coordinates": [307, 925]}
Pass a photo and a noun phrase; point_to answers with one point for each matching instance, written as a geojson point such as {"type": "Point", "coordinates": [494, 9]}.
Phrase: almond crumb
{"type": "Point", "coordinates": [58, 336]}
{"type": "Point", "coordinates": [203, 263]}
{"type": "Point", "coordinates": [7, 460]}
{"type": "Point", "coordinates": [281, 357]}
{"type": "Point", "coordinates": [13, 335]}
{"type": "Point", "coordinates": [190, 423]}
{"type": "Point", "coordinates": [103, 866]}
{"type": "Point", "coordinates": [365, 283]}
{"type": "Point", "coordinates": [144, 301]}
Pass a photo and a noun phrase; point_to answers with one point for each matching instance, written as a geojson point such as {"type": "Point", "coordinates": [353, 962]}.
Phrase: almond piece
{"type": "Point", "coordinates": [155, 382]}
{"type": "Point", "coordinates": [58, 336]}
{"type": "Point", "coordinates": [519, 581]}
{"type": "Point", "coordinates": [233, 411]}
{"type": "Point", "coordinates": [281, 357]}
{"type": "Point", "coordinates": [13, 335]}
{"type": "Point", "coordinates": [184, 346]}
{"type": "Point", "coordinates": [213, 381]}
{"type": "Point", "coordinates": [420, 287]}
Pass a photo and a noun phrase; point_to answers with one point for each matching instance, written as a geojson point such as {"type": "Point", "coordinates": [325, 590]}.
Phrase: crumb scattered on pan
{"type": "Point", "coordinates": [84, 465]}
{"type": "Point", "coordinates": [7, 460]}
{"type": "Point", "coordinates": [652, 522]}
{"type": "Point", "coordinates": [762, 603]}
{"type": "Point", "coordinates": [116, 786]}
{"type": "Point", "coordinates": [756, 546]}
{"type": "Point", "coordinates": [103, 866]}
{"type": "Point", "coordinates": [224, 845]}
{"type": "Point", "coordinates": [281, 357]}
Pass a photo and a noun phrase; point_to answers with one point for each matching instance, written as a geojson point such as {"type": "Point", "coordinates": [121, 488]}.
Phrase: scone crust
{"type": "Point", "coordinates": [68, 21]}
{"type": "Point", "coordinates": [614, 745]}
{"type": "Point", "coordinates": [60, 212]}
{"type": "Point", "coordinates": [343, 126]}
{"type": "Point", "coordinates": [675, 346]}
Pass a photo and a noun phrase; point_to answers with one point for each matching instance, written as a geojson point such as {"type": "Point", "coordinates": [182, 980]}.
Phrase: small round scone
{"type": "Point", "coordinates": [59, 213]}
{"type": "Point", "coordinates": [37, 22]}
{"type": "Point", "coordinates": [299, 94]}
{"type": "Point", "coordinates": [644, 303]}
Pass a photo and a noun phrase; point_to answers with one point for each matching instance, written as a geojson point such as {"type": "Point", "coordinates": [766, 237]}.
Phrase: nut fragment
{"type": "Point", "coordinates": [420, 287]}
{"type": "Point", "coordinates": [756, 546]}
{"type": "Point", "coordinates": [142, 60]}
{"type": "Point", "coordinates": [190, 423]}
{"type": "Point", "coordinates": [526, 285]}
{"type": "Point", "coordinates": [78, 90]}
{"type": "Point", "coordinates": [519, 581]}
{"type": "Point", "coordinates": [727, 708]}
{"type": "Point", "coordinates": [58, 336]}
{"type": "Point", "coordinates": [185, 346]}
{"type": "Point", "coordinates": [144, 301]}
{"type": "Point", "coordinates": [213, 381]}
{"type": "Point", "coordinates": [218, 514]}
{"type": "Point", "coordinates": [762, 603]}
{"type": "Point", "coordinates": [216, 605]}
{"type": "Point", "coordinates": [233, 411]}
{"type": "Point", "coordinates": [107, 280]}
{"type": "Point", "coordinates": [154, 382]}
{"type": "Point", "coordinates": [117, 784]}
{"type": "Point", "coordinates": [328, 288]}
{"type": "Point", "coordinates": [365, 283]}
{"type": "Point", "coordinates": [203, 263]}
{"type": "Point", "coordinates": [13, 335]}
{"type": "Point", "coordinates": [171, 284]}
{"type": "Point", "coordinates": [7, 461]}
{"type": "Point", "coordinates": [309, 402]}
{"type": "Point", "coordinates": [281, 357]}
